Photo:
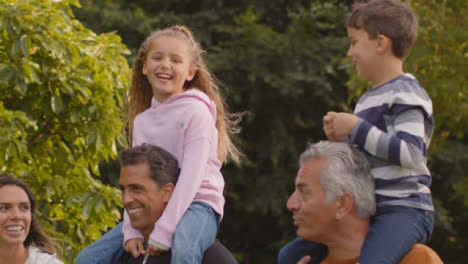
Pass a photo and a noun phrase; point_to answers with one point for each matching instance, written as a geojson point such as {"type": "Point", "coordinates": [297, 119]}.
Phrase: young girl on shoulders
{"type": "Point", "coordinates": [175, 103]}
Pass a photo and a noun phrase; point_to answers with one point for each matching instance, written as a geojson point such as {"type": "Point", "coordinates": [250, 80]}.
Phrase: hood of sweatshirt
{"type": "Point", "coordinates": [190, 93]}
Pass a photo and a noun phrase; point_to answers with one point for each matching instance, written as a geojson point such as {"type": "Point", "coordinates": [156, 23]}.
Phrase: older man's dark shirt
{"type": "Point", "coordinates": [216, 254]}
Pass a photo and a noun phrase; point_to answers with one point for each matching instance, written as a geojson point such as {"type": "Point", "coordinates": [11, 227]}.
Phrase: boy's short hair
{"type": "Point", "coordinates": [391, 18]}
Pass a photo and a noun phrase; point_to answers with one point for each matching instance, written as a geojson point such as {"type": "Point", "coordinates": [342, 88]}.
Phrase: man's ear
{"type": "Point", "coordinates": [383, 44]}
{"type": "Point", "coordinates": [166, 192]}
{"type": "Point", "coordinates": [345, 205]}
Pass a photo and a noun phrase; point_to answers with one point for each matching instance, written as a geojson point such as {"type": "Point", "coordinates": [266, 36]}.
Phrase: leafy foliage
{"type": "Point", "coordinates": [440, 60]}
{"type": "Point", "coordinates": [61, 90]}
{"type": "Point", "coordinates": [284, 79]}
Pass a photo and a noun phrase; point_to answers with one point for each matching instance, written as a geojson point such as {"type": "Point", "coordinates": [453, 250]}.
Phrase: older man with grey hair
{"type": "Point", "coordinates": [332, 205]}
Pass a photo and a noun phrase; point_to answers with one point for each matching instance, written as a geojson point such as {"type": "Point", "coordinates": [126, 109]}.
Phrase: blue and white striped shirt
{"type": "Point", "coordinates": [395, 131]}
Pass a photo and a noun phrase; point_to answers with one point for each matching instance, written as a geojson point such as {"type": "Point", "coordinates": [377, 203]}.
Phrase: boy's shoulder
{"type": "Point", "coordinates": [402, 90]}
{"type": "Point", "coordinates": [408, 84]}
{"type": "Point", "coordinates": [404, 83]}
{"type": "Point", "coordinates": [401, 81]}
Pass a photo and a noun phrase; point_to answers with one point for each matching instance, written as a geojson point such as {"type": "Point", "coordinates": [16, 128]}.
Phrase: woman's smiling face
{"type": "Point", "coordinates": [15, 215]}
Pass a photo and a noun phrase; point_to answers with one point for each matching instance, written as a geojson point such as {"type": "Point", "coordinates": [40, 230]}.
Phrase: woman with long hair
{"type": "Point", "coordinates": [21, 237]}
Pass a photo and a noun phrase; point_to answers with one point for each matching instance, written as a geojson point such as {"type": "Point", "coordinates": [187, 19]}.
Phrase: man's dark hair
{"type": "Point", "coordinates": [163, 166]}
{"type": "Point", "coordinates": [390, 18]}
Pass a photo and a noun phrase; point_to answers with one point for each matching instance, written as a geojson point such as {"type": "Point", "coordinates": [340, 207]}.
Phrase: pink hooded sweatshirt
{"type": "Point", "coordinates": [185, 126]}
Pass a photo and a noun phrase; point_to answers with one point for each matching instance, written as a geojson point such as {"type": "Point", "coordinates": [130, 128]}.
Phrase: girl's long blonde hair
{"type": "Point", "coordinates": [139, 97]}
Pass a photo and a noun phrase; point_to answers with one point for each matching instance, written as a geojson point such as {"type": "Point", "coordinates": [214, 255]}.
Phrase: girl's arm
{"type": "Point", "coordinates": [128, 231]}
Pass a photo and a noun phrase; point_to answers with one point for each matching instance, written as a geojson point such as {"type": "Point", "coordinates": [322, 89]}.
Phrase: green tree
{"type": "Point", "coordinates": [440, 60]}
{"type": "Point", "coordinates": [287, 79]}
{"type": "Point", "coordinates": [61, 88]}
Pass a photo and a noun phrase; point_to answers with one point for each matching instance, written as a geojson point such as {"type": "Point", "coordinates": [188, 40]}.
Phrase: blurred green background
{"type": "Point", "coordinates": [64, 73]}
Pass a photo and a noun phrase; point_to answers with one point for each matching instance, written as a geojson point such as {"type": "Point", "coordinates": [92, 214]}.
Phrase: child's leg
{"type": "Point", "coordinates": [195, 233]}
{"type": "Point", "coordinates": [395, 229]}
{"type": "Point", "coordinates": [298, 248]}
{"type": "Point", "coordinates": [105, 250]}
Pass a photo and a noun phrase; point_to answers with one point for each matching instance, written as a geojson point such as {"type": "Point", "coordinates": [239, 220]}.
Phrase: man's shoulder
{"type": "Point", "coordinates": [127, 258]}
{"type": "Point", "coordinates": [216, 254]}
{"type": "Point", "coordinates": [421, 253]}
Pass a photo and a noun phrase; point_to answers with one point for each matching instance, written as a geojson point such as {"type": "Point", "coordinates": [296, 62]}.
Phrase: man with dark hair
{"type": "Point", "coordinates": [147, 179]}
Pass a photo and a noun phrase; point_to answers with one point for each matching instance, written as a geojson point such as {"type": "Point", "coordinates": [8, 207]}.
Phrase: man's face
{"type": "Point", "coordinates": [312, 214]}
{"type": "Point", "coordinates": [143, 199]}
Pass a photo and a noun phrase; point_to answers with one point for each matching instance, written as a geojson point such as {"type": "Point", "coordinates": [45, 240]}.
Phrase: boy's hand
{"type": "Point", "coordinates": [338, 126]}
{"type": "Point", "coordinates": [328, 127]}
{"type": "Point", "coordinates": [344, 124]}
{"type": "Point", "coordinates": [154, 250]}
{"type": "Point", "coordinates": [135, 247]}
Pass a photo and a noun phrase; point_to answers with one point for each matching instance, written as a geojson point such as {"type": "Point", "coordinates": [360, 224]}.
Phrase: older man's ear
{"type": "Point", "coordinates": [344, 205]}
{"type": "Point", "coordinates": [166, 191]}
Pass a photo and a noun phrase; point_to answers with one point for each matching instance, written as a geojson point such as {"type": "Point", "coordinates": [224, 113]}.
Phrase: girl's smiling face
{"type": "Point", "coordinates": [15, 215]}
{"type": "Point", "coordinates": [168, 65]}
